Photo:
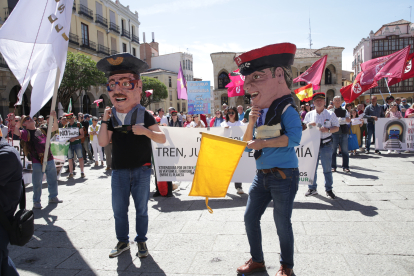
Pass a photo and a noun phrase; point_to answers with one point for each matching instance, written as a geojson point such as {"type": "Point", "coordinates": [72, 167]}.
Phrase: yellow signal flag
{"type": "Point", "coordinates": [305, 93]}
{"type": "Point", "coordinates": [217, 160]}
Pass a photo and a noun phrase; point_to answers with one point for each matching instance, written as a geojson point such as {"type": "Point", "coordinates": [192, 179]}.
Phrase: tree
{"type": "Point", "coordinates": [80, 74]}
{"type": "Point", "coordinates": [160, 91]}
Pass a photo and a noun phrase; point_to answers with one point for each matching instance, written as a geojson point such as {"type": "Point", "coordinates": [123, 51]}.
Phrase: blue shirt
{"type": "Point", "coordinates": [284, 157]}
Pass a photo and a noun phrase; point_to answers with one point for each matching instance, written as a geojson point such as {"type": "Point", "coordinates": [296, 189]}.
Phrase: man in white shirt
{"type": "Point", "coordinates": [327, 123]}
{"type": "Point", "coordinates": [164, 120]}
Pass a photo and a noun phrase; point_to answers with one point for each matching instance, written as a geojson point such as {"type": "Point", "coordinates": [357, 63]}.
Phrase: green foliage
{"type": "Point", "coordinates": [80, 74]}
{"type": "Point", "coordinates": [160, 90]}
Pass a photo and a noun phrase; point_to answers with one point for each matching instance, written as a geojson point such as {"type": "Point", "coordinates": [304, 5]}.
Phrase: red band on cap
{"type": "Point", "coordinates": [280, 48]}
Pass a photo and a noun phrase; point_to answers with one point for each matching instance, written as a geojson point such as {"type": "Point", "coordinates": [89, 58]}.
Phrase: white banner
{"type": "Point", "coordinates": [394, 134]}
{"type": "Point", "coordinates": [176, 159]}
{"type": "Point", "coordinates": [67, 133]}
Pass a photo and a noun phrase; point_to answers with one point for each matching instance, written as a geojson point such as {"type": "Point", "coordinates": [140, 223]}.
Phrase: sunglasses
{"type": "Point", "coordinates": [26, 119]}
{"type": "Point", "coordinates": [16, 121]}
{"type": "Point", "coordinates": [124, 85]}
{"type": "Point", "coordinates": [231, 113]}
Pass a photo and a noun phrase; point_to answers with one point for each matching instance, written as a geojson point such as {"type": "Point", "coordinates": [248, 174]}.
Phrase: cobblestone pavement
{"type": "Point", "coordinates": [368, 230]}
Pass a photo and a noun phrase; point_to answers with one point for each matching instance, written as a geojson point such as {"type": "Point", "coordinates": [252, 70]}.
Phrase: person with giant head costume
{"type": "Point", "coordinates": [274, 129]}
{"type": "Point", "coordinates": [131, 129]}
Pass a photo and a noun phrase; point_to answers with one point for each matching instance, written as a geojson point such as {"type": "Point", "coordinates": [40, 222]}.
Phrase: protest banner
{"type": "Point", "coordinates": [394, 134]}
{"type": "Point", "coordinates": [176, 159]}
{"type": "Point", "coordinates": [66, 134]}
{"type": "Point", "coordinates": [199, 95]}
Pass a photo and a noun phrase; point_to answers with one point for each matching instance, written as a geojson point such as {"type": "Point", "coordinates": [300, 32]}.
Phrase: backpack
{"type": "Point", "coordinates": [21, 228]}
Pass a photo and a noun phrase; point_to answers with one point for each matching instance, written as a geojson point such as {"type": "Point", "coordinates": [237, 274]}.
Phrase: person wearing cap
{"type": "Point", "coordinates": [131, 129]}
{"type": "Point", "coordinates": [75, 146]}
{"type": "Point", "coordinates": [273, 132]}
{"type": "Point", "coordinates": [327, 123]}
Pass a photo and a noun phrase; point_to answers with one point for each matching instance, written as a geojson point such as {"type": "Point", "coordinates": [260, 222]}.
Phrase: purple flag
{"type": "Point", "coordinates": [181, 85]}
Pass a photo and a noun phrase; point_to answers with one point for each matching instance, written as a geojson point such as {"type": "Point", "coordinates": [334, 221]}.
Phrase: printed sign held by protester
{"type": "Point", "coordinates": [66, 134]}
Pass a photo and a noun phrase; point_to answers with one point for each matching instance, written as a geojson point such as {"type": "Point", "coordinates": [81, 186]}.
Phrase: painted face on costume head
{"type": "Point", "coordinates": [122, 96]}
{"type": "Point", "coordinates": [262, 87]}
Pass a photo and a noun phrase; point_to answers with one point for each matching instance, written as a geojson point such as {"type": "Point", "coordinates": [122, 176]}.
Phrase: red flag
{"type": "Point", "coordinates": [391, 66]}
{"type": "Point", "coordinates": [314, 73]}
{"type": "Point", "coordinates": [235, 87]}
{"type": "Point", "coordinates": [353, 91]}
{"type": "Point", "coordinates": [408, 71]}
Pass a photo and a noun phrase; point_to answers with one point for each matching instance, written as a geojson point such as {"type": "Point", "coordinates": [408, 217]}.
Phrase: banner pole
{"type": "Point", "coordinates": [49, 127]}
{"type": "Point", "coordinates": [386, 82]}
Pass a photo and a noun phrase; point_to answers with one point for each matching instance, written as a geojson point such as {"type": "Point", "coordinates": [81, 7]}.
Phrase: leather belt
{"type": "Point", "coordinates": [275, 169]}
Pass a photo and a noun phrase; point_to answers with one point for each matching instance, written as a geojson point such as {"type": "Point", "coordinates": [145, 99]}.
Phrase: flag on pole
{"type": "Point", "coordinates": [314, 73]}
{"type": "Point", "coordinates": [181, 85]}
{"type": "Point", "coordinates": [149, 92]}
{"type": "Point", "coordinates": [34, 43]}
{"type": "Point", "coordinates": [356, 89]}
{"type": "Point", "coordinates": [211, 178]}
{"type": "Point", "coordinates": [408, 71]}
{"type": "Point", "coordinates": [235, 86]}
{"type": "Point", "coordinates": [70, 106]}
{"type": "Point", "coordinates": [305, 93]}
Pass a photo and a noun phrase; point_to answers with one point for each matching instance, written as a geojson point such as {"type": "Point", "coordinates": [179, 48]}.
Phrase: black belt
{"type": "Point", "coordinates": [326, 140]}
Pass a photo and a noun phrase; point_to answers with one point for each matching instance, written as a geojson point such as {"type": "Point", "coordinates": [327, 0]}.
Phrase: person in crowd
{"type": "Point", "coordinates": [4, 129]}
{"type": "Point", "coordinates": [35, 120]}
{"type": "Point", "coordinates": [409, 113]}
{"type": "Point", "coordinates": [393, 113]}
{"type": "Point", "coordinates": [349, 107]}
{"type": "Point", "coordinates": [64, 121]}
{"type": "Point", "coordinates": [356, 124]}
{"type": "Point", "coordinates": [240, 112]}
{"type": "Point", "coordinates": [360, 110]}
{"type": "Point", "coordinates": [93, 135]}
{"type": "Point", "coordinates": [224, 107]}
{"type": "Point", "coordinates": [14, 123]}
{"type": "Point", "coordinates": [188, 120]}
{"type": "Point", "coordinates": [330, 107]}
{"type": "Point", "coordinates": [10, 193]}
{"type": "Point", "coordinates": [170, 109]}
{"type": "Point", "coordinates": [372, 113]}
{"type": "Point", "coordinates": [174, 122]}
{"type": "Point", "coordinates": [340, 137]}
{"type": "Point", "coordinates": [218, 119]}
{"type": "Point", "coordinates": [197, 123]}
{"type": "Point", "coordinates": [75, 146]}
{"type": "Point", "coordinates": [108, 155]}
{"type": "Point", "coordinates": [163, 119]}
{"type": "Point", "coordinates": [232, 119]}
{"type": "Point", "coordinates": [225, 111]}
{"type": "Point", "coordinates": [40, 120]}
{"type": "Point", "coordinates": [268, 79]}
{"type": "Point", "coordinates": [180, 117]}
{"type": "Point", "coordinates": [302, 112]}
{"type": "Point", "coordinates": [208, 119]}
{"type": "Point", "coordinates": [387, 105]}
{"type": "Point", "coordinates": [328, 124]}
{"type": "Point", "coordinates": [245, 119]}
{"type": "Point", "coordinates": [84, 121]}
{"type": "Point", "coordinates": [131, 129]}
{"type": "Point", "coordinates": [35, 140]}
{"type": "Point", "coordinates": [404, 106]}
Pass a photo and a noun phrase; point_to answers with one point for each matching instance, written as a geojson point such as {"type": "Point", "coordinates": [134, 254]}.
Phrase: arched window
{"type": "Point", "coordinates": [223, 80]}
{"type": "Point", "coordinates": [328, 76]}
{"type": "Point", "coordinates": [224, 99]}
{"type": "Point", "coordinates": [102, 104]}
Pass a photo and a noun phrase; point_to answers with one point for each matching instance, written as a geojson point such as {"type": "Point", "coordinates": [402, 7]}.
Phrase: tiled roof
{"type": "Point", "coordinates": [330, 47]}
{"type": "Point", "coordinates": [305, 53]}
{"type": "Point", "coordinates": [399, 22]}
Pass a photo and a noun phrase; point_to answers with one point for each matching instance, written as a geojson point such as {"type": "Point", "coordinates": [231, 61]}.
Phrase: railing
{"type": "Point", "coordinates": [86, 43]}
{"type": "Point", "coordinates": [125, 33]}
{"type": "Point", "coordinates": [101, 20]}
{"type": "Point", "coordinates": [85, 11]}
{"type": "Point", "coordinates": [103, 50]}
{"type": "Point", "coordinates": [114, 27]}
{"type": "Point", "coordinates": [393, 89]}
{"type": "Point", "coordinates": [73, 38]}
{"type": "Point", "coordinates": [114, 52]}
{"type": "Point", "coordinates": [74, 6]}
{"type": "Point", "coordinates": [135, 38]}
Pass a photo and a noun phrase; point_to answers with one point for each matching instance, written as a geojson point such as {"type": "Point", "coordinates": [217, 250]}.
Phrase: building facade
{"type": "Point", "coordinates": [331, 81]}
{"type": "Point", "coordinates": [99, 28]}
{"type": "Point", "coordinates": [172, 62]}
{"type": "Point", "coordinates": [389, 39]}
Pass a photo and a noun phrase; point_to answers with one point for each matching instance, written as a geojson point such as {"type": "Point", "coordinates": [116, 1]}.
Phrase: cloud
{"type": "Point", "coordinates": [179, 5]}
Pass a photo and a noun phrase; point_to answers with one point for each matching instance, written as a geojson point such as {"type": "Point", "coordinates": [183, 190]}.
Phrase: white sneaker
{"type": "Point", "coordinates": [240, 191]}
{"type": "Point", "coordinates": [407, 151]}
{"type": "Point", "coordinates": [55, 200]}
{"type": "Point", "coordinates": [388, 152]}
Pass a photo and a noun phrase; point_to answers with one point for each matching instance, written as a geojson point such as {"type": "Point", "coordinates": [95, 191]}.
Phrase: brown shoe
{"type": "Point", "coordinates": [284, 271]}
{"type": "Point", "coordinates": [249, 267]}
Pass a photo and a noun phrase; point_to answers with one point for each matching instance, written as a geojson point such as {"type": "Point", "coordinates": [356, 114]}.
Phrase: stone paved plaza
{"type": "Point", "coordinates": [368, 230]}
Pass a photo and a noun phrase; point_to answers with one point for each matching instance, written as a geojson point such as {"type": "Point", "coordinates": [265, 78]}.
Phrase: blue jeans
{"type": "Point", "coordinates": [371, 131]}
{"type": "Point", "coordinates": [342, 140]}
{"type": "Point", "coordinates": [267, 187]}
{"type": "Point", "coordinates": [75, 149]}
{"type": "Point", "coordinates": [135, 182]}
{"type": "Point", "coordinates": [7, 267]}
{"type": "Point", "coordinates": [325, 155]}
{"type": "Point", "coordinates": [51, 177]}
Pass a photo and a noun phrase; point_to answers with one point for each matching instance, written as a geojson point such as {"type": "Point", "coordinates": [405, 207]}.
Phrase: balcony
{"type": "Point", "coordinates": [87, 44]}
{"type": "Point", "coordinates": [114, 52]}
{"type": "Point", "coordinates": [126, 33]}
{"type": "Point", "coordinates": [73, 38]}
{"type": "Point", "coordinates": [393, 89]}
{"type": "Point", "coordinates": [101, 20]}
{"type": "Point", "coordinates": [103, 50]}
{"type": "Point", "coordinates": [135, 38]}
{"type": "Point", "coordinates": [114, 27]}
{"type": "Point", "coordinates": [83, 10]}
{"type": "Point", "coordinates": [74, 7]}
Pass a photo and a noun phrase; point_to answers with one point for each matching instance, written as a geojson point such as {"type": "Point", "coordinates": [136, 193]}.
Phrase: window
{"type": "Point", "coordinates": [328, 76]}
{"type": "Point", "coordinates": [223, 80]}
{"type": "Point", "coordinates": [178, 107]}
{"type": "Point", "coordinates": [169, 82]}
{"type": "Point", "coordinates": [124, 49]}
{"type": "Point", "coordinates": [123, 24]}
{"type": "Point", "coordinates": [170, 97]}
{"type": "Point", "coordinates": [224, 99]}
{"type": "Point", "coordinates": [133, 30]}
{"type": "Point", "coordinates": [134, 52]}
{"type": "Point", "coordinates": [85, 34]}
{"type": "Point", "coordinates": [391, 44]}
{"type": "Point", "coordinates": [183, 64]}
{"type": "Point", "coordinates": [183, 107]}
{"type": "Point", "coordinates": [156, 78]}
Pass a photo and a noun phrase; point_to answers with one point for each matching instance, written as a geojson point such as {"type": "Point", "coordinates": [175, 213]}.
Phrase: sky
{"type": "Point", "coordinates": [205, 27]}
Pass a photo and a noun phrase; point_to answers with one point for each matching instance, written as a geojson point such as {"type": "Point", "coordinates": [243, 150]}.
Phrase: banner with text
{"type": "Point", "coordinates": [66, 134]}
{"type": "Point", "coordinates": [199, 94]}
{"type": "Point", "coordinates": [394, 134]}
{"type": "Point", "coordinates": [176, 159]}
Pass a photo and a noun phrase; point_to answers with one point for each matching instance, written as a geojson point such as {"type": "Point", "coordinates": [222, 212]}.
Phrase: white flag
{"type": "Point", "coordinates": [37, 31]}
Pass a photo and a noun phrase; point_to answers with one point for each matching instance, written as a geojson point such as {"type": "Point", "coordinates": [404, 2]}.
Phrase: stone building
{"type": "Point", "coordinates": [331, 81]}
{"type": "Point", "coordinates": [98, 29]}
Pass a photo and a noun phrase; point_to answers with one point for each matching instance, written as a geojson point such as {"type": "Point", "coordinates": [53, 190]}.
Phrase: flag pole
{"type": "Point", "coordinates": [49, 127]}
{"type": "Point", "coordinates": [386, 82]}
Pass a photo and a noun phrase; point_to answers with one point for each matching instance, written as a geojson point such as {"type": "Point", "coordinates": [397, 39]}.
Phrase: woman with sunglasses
{"type": "Point", "coordinates": [197, 123]}
{"type": "Point", "coordinates": [188, 120]}
{"type": "Point", "coordinates": [174, 122]}
{"type": "Point", "coordinates": [217, 120]}
{"type": "Point", "coordinates": [232, 119]}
